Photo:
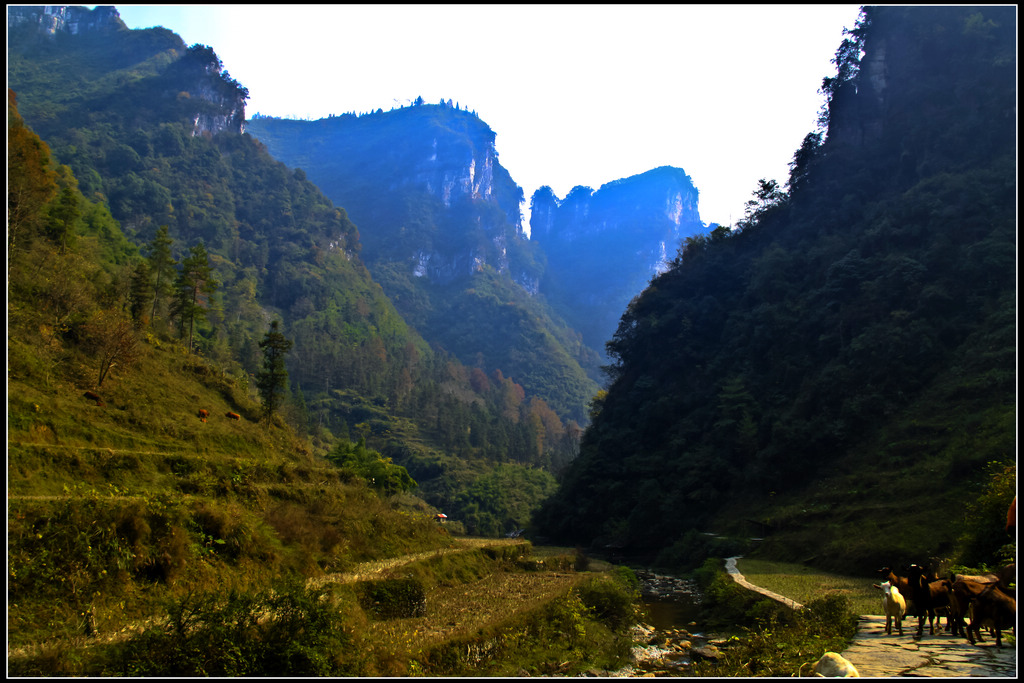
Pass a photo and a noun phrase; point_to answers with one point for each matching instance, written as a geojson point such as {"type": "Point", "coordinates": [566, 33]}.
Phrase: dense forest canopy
{"type": "Point", "coordinates": [860, 320]}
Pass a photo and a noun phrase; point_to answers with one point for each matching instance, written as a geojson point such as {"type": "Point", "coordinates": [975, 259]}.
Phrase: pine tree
{"type": "Point", "coordinates": [192, 291]}
{"type": "Point", "coordinates": [161, 266]}
{"type": "Point", "coordinates": [140, 292]}
{"type": "Point", "coordinates": [273, 379]}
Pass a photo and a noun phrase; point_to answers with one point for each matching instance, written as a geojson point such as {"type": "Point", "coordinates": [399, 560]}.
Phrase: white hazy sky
{"type": "Point", "coordinates": [577, 94]}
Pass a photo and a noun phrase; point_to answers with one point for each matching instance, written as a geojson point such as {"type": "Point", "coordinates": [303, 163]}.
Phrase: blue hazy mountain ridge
{"type": "Point", "coordinates": [434, 207]}
{"type": "Point", "coordinates": [602, 248]}
{"type": "Point", "coordinates": [440, 223]}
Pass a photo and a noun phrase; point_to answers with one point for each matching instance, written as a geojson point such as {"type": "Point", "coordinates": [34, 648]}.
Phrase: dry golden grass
{"type": "Point", "coordinates": [463, 610]}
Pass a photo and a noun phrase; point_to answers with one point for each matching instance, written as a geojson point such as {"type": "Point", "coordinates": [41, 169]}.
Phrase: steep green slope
{"type": "Point", "coordinates": [120, 492]}
{"type": "Point", "coordinates": [841, 368]}
{"type": "Point", "coordinates": [150, 129]}
{"type": "Point", "coordinates": [159, 524]}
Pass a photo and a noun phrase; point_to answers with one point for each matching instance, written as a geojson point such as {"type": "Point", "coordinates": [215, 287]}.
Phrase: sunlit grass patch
{"type": "Point", "coordinates": [805, 584]}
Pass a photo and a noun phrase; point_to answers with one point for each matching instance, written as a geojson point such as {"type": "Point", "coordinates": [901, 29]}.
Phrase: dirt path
{"type": "Point", "coordinates": [873, 653]}
{"type": "Point", "coordinates": [365, 570]}
{"type": "Point", "coordinates": [368, 570]}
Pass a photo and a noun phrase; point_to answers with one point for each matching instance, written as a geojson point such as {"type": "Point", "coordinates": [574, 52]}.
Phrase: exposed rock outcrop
{"type": "Point", "coordinates": [73, 20]}
{"type": "Point", "coordinates": [423, 183]}
{"type": "Point", "coordinates": [603, 247]}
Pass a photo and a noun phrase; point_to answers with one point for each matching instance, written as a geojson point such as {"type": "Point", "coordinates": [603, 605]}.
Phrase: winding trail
{"type": "Point", "coordinates": [367, 570]}
{"type": "Point", "coordinates": [876, 654]}
{"type": "Point", "coordinates": [362, 571]}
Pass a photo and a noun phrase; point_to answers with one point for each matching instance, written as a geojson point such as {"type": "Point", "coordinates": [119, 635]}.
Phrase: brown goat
{"type": "Point", "coordinates": [233, 416]}
{"type": "Point", "coordinates": [930, 598]}
{"type": "Point", "coordinates": [203, 414]}
{"type": "Point", "coordinates": [963, 591]}
{"type": "Point", "coordinates": [994, 609]}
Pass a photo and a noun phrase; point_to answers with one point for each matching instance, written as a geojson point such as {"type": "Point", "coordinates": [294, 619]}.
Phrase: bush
{"type": "Point", "coordinates": [612, 602]}
{"type": "Point", "coordinates": [627, 577]}
{"type": "Point", "coordinates": [784, 641]}
{"type": "Point", "coordinates": [834, 614]}
{"type": "Point", "coordinates": [285, 631]}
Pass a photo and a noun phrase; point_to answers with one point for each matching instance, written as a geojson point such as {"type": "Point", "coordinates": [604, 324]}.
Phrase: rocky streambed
{"type": "Point", "coordinates": [665, 649]}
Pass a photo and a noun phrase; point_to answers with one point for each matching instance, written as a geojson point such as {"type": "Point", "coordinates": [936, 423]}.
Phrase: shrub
{"type": "Point", "coordinates": [286, 631]}
{"type": "Point", "coordinates": [610, 601]}
{"type": "Point", "coordinates": [785, 641]}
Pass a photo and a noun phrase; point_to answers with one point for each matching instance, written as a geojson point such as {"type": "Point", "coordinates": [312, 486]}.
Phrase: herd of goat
{"type": "Point", "coordinates": [989, 601]}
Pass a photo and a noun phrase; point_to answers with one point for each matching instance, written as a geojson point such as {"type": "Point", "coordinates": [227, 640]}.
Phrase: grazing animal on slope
{"type": "Point", "coordinates": [233, 416]}
{"type": "Point", "coordinates": [93, 396]}
{"type": "Point", "coordinates": [1008, 580]}
{"type": "Point", "coordinates": [203, 414]}
{"type": "Point", "coordinates": [894, 606]}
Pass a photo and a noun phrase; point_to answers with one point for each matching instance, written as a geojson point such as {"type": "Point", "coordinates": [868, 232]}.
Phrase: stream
{"type": "Point", "coordinates": [669, 639]}
{"type": "Point", "coordinates": [669, 613]}
{"type": "Point", "coordinates": [671, 602]}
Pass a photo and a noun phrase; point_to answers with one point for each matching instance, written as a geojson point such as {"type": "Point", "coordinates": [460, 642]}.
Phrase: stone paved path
{"type": "Point", "coordinates": [940, 656]}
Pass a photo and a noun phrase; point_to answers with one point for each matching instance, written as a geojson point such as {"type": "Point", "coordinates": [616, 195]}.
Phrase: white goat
{"type": "Point", "coordinates": [894, 605]}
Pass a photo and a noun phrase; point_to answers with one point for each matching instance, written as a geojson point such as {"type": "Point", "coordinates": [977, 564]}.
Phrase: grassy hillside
{"type": "Point", "coordinates": [145, 540]}
{"type": "Point", "coordinates": [113, 508]}
{"type": "Point", "coordinates": [149, 131]}
{"type": "Point", "coordinates": [162, 522]}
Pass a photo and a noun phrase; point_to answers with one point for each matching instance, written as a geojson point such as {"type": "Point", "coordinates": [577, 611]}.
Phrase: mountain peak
{"type": "Point", "coordinates": [54, 19]}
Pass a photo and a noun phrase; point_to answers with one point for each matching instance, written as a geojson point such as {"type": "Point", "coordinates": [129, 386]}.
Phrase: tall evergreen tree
{"type": "Point", "coordinates": [272, 379]}
{"type": "Point", "coordinates": [65, 211]}
{"type": "Point", "coordinates": [141, 292]}
{"type": "Point", "coordinates": [161, 266]}
{"type": "Point", "coordinates": [192, 291]}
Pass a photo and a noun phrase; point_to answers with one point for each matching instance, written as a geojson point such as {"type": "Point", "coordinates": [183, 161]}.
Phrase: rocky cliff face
{"type": "Point", "coordinates": [664, 199]}
{"type": "Point", "coordinates": [423, 183]}
{"type": "Point", "coordinates": [220, 99]}
{"type": "Point", "coordinates": [603, 247]}
{"type": "Point", "coordinates": [51, 19]}
{"type": "Point", "coordinates": [441, 231]}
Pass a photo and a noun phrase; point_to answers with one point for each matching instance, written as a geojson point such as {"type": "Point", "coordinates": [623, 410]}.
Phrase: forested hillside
{"type": "Point", "coordinates": [439, 218]}
{"type": "Point", "coordinates": [149, 132]}
{"type": "Point", "coordinates": [837, 371]}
